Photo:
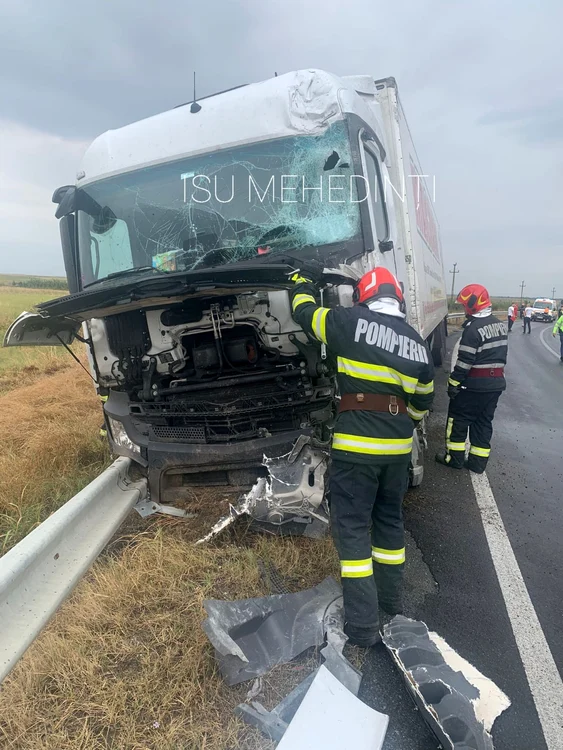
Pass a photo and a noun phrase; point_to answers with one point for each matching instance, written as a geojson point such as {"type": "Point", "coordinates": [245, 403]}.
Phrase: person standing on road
{"type": "Point", "coordinates": [476, 382]}
{"type": "Point", "coordinates": [558, 328]}
{"type": "Point", "coordinates": [527, 319]}
{"type": "Point", "coordinates": [522, 308]}
{"type": "Point", "coordinates": [385, 380]}
{"type": "Point", "coordinates": [512, 312]}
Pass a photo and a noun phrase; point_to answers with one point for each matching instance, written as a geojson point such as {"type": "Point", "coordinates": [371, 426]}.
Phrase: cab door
{"type": "Point", "coordinates": [381, 213]}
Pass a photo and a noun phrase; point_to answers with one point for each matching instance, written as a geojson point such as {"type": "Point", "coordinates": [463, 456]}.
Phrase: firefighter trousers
{"type": "Point", "coordinates": [471, 411]}
{"type": "Point", "coordinates": [366, 507]}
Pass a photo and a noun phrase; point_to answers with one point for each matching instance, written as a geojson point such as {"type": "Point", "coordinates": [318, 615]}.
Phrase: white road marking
{"type": "Point", "coordinates": [543, 677]}
{"type": "Point", "coordinates": [547, 346]}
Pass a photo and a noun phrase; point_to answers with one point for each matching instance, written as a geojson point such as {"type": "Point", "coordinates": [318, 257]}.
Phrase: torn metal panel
{"type": "Point", "coordinates": [293, 493]}
{"type": "Point", "coordinates": [295, 486]}
{"type": "Point", "coordinates": [252, 635]}
{"type": "Point", "coordinates": [331, 717]}
{"type": "Point", "coordinates": [458, 703]}
{"type": "Point", "coordinates": [242, 508]}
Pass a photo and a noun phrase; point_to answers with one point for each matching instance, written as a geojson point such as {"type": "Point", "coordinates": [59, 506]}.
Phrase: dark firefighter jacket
{"type": "Point", "coordinates": [376, 353]}
{"type": "Point", "coordinates": [482, 355]}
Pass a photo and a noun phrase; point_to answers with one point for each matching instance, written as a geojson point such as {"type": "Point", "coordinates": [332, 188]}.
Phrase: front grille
{"type": "Point", "coordinates": [233, 414]}
{"type": "Point", "coordinates": [185, 434]}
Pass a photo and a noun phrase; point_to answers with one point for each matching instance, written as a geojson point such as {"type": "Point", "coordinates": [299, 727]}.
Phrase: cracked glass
{"type": "Point", "coordinates": [221, 208]}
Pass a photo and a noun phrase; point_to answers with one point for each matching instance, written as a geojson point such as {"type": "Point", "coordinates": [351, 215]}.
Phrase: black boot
{"type": "Point", "coordinates": [362, 637]}
{"type": "Point", "coordinates": [441, 458]}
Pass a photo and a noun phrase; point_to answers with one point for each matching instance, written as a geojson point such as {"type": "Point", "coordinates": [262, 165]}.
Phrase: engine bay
{"type": "Point", "coordinates": [214, 370]}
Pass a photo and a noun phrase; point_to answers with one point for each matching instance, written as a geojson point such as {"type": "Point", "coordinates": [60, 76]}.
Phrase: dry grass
{"type": "Point", "coordinates": [50, 449]}
{"type": "Point", "coordinates": [126, 664]}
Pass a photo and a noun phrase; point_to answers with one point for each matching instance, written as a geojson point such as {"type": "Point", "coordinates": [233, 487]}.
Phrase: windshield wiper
{"type": "Point", "coordinates": [125, 272]}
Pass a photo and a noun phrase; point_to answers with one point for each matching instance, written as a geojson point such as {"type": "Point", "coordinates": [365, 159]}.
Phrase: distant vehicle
{"type": "Point", "coordinates": [544, 310]}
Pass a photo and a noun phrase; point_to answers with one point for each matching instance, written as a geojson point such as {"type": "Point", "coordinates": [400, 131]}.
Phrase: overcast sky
{"type": "Point", "coordinates": [481, 83]}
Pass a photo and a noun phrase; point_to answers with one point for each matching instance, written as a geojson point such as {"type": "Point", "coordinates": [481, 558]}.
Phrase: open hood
{"type": "Point", "coordinates": [33, 329]}
{"type": "Point", "coordinates": [123, 290]}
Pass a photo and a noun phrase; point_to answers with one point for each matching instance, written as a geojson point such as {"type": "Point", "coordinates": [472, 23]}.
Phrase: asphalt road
{"type": "Point", "coordinates": [452, 581]}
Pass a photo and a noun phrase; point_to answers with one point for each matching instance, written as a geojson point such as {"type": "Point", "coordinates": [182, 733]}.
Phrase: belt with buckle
{"type": "Point", "coordinates": [482, 372]}
{"type": "Point", "coordinates": [372, 402]}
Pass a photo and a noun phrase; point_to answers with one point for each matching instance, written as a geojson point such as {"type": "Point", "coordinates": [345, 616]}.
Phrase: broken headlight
{"type": "Point", "coordinates": [120, 436]}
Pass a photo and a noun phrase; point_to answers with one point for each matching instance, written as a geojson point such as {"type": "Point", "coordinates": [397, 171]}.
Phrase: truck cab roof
{"type": "Point", "coordinates": [303, 102]}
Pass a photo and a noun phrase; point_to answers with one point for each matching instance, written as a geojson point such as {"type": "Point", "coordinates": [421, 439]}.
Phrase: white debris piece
{"type": "Point", "coordinates": [332, 718]}
{"type": "Point", "coordinates": [243, 507]}
{"type": "Point", "coordinates": [491, 701]}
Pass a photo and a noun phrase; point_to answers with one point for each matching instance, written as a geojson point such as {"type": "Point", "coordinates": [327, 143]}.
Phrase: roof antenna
{"type": "Point", "coordinates": [195, 107]}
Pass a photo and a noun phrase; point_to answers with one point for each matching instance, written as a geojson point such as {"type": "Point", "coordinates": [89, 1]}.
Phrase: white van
{"type": "Point", "coordinates": [544, 310]}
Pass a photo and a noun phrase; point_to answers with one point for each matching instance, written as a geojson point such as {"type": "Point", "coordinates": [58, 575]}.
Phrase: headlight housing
{"type": "Point", "coordinates": [120, 436]}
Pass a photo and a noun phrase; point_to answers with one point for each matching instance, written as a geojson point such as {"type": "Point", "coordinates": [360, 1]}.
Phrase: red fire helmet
{"type": "Point", "coordinates": [474, 298]}
{"type": "Point", "coordinates": [378, 283]}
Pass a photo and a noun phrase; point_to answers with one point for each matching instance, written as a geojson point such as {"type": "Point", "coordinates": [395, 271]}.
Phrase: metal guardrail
{"type": "Point", "coordinates": [41, 571]}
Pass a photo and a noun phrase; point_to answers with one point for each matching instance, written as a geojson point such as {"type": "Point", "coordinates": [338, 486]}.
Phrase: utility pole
{"type": "Point", "coordinates": [453, 280]}
{"type": "Point", "coordinates": [553, 293]}
{"type": "Point", "coordinates": [522, 285]}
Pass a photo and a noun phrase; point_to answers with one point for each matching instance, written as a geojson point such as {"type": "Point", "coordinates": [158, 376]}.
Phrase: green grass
{"type": "Point", "coordinates": [19, 365]}
{"type": "Point", "coordinates": [8, 279]}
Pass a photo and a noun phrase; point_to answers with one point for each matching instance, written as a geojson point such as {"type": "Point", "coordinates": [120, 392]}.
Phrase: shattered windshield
{"type": "Point", "coordinates": [223, 207]}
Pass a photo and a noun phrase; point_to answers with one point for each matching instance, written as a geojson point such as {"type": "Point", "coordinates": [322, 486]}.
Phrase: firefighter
{"type": "Point", "coordinates": [385, 380]}
{"type": "Point", "coordinates": [558, 329]}
{"type": "Point", "coordinates": [476, 382]}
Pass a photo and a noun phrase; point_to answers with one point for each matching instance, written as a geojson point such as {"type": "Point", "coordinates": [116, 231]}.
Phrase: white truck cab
{"type": "Point", "coordinates": [179, 239]}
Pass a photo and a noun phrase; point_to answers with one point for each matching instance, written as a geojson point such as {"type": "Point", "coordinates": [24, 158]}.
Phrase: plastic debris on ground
{"type": "Point", "coordinates": [332, 718]}
{"type": "Point", "coordinates": [275, 722]}
{"type": "Point", "coordinates": [251, 636]}
{"type": "Point", "coordinates": [458, 703]}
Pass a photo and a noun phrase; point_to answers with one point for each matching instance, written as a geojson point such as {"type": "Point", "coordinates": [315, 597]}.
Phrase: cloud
{"type": "Point", "coordinates": [477, 81]}
{"type": "Point", "coordinates": [540, 125]}
{"type": "Point", "coordinates": [33, 164]}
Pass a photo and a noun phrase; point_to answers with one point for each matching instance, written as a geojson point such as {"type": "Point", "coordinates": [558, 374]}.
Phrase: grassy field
{"type": "Point", "coordinates": [22, 365]}
{"type": "Point", "coordinates": [9, 279]}
{"type": "Point", "coordinates": [125, 663]}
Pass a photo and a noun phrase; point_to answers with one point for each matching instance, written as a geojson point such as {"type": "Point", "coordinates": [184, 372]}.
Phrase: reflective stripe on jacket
{"type": "Point", "coordinates": [483, 345]}
{"type": "Point", "coordinates": [375, 353]}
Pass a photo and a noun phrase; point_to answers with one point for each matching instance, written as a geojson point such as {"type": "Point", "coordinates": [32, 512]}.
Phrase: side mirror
{"type": "Point", "coordinates": [65, 196]}
{"type": "Point", "coordinates": [385, 246]}
{"type": "Point", "coordinates": [68, 243]}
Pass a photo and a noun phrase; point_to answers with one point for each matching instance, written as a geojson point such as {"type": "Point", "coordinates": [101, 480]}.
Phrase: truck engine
{"type": "Point", "coordinates": [219, 374]}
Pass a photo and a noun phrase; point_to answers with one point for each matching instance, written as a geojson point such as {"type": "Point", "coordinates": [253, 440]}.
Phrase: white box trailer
{"type": "Point", "coordinates": [409, 193]}
{"type": "Point", "coordinates": [418, 232]}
